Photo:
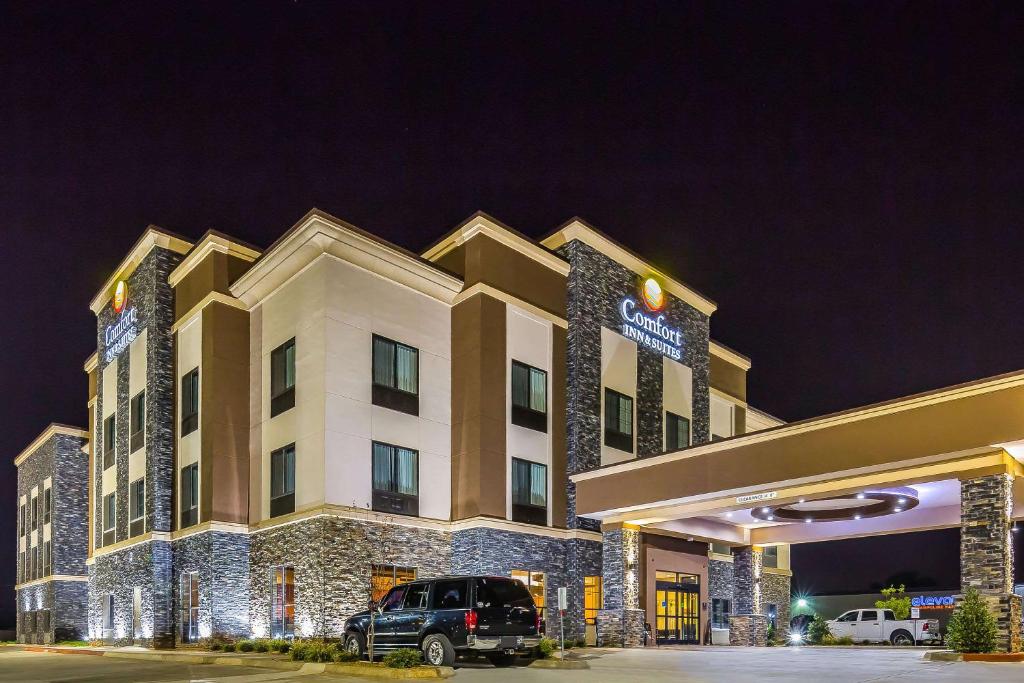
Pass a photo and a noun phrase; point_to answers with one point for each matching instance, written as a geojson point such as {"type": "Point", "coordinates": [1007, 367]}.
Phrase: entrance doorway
{"type": "Point", "coordinates": [677, 614]}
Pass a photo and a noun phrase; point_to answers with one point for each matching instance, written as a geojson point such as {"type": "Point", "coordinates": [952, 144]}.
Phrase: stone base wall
{"type": "Point", "coordinates": [147, 566]}
{"type": "Point", "coordinates": [331, 557]}
{"type": "Point", "coordinates": [620, 628]}
{"type": "Point", "coordinates": [52, 611]}
{"type": "Point", "coordinates": [748, 630]}
{"type": "Point", "coordinates": [222, 560]}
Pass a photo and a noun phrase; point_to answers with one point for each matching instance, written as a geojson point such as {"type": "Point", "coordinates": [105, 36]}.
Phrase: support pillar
{"type": "Point", "coordinates": [748, 625]}
{"type": "Point", "coordinates": [986, 552]}
{"type": "Point", "coordinates": [621, 622]}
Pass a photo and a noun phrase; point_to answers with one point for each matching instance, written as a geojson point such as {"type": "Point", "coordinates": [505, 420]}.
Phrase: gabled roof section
{"type": "Point", "coordinates": [51, 430]}
{"type": "Point", "coordinates": [482, 224]}
{"type": "Point", "coordinates": [578, 229]}
{"type": "Point", "coordinates": [318, 233]}
{"type": "Point", "coordinates": [212, 241]}
{"type": "Point", "coordinates": [153, 236]}
{"type": "Point", "coordinates": [729, 355]}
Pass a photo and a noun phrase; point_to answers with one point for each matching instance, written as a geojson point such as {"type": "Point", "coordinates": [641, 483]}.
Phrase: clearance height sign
{"type": "Point", "coordinates": [645, 324]}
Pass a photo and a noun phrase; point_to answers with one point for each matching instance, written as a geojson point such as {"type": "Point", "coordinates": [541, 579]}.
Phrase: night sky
{"type": "Point", "coordinates": [844, 179]}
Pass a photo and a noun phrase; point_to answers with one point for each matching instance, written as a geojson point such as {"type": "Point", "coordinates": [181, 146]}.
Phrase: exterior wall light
{"type": "Point", "coordinates": [860, 496]}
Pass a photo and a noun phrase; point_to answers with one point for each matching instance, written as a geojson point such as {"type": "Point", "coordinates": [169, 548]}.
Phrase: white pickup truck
{"type": "Point", "coordinates": [880, 625]}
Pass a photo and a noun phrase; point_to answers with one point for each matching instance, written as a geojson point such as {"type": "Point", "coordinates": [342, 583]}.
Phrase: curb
{"type": "Point", "coordinates": [992, 657]}
{"type": "Point", "coordinates": [558, 664]}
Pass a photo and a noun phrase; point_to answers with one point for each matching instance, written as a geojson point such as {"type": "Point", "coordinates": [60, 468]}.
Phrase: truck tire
{"type": "Point", "coordinates": [438, 650]}
{"type": "Point", "coordinates": [901, 637]}
{"type": "Point", "coordinates": [355, 643]}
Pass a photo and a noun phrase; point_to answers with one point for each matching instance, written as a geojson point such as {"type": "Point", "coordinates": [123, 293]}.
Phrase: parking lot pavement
{"type": "Point", "coordinates": [721, 664]}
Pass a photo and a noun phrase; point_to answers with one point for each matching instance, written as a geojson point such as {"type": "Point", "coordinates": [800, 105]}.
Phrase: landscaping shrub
{"type": "Point", "coordinates": [770, 639]}
{"type": "Point", "coordinates": [298, 650]}
{"type": "Point", "coordinates": [817, 630]}
{"type": "Point", "coordinates": [844, 640]}
{"type": "Point", "coordinates": [972, 628]}
{"type": "Point", "coordinates": [229, 647]}
{"type": "Point", "coordinates": [216, 646]}
{"type": "Point", "coordinates": [343, 656]}
{"type": "Point", "coordinates": [261, 645]}
{"type": "Point", "coordinates": [546, 647]}
{"type": "Point", "coordinates": [314, 651]}
{"type": "Point", "coordinates": [245, 646]}
{"type": "Point", "coordinates": [72, 643]}
{"type": "Point", "coordinates": [404, 658]}
{"type": "Point", "coordinates": [279, 645]}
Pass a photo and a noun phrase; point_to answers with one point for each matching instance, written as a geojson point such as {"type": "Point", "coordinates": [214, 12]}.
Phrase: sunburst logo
{"type": "Point", "coordinates": [120, 296]}
{"type": "Point", "coordinates": [652, 294]}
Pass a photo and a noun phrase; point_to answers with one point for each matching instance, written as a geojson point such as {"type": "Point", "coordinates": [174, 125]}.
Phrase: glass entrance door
{"type": "Point", "coordinates": [677, 610]}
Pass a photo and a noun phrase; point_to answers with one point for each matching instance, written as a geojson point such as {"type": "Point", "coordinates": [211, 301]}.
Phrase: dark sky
{"type": "Point", "coordinates": [844, 179]}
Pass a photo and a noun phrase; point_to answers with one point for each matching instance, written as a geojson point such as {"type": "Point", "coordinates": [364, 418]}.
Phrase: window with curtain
{"type": "Point", "coordinates": [109, 438]}
{"type": "Point", "coordinates": [282, 481]}
{"type": "Point", "coordinates": [395, 479]}
{"type": "Point", "coordinates": [189, 495]}
{"type": "Point", "coordinates": [529, 492]}
{"type": "Point", "coordinates": [190, 402]}
{"type": "Point", "coordinates": [529, 397]}
{"type": "Point", "coordinates": [677, 432]}
{"type": "Point", "coordinates": [137, 432]}
{"type": "Point", "coordinates": [396, 383]}
{"type": "Point", "coordinates": [618, 420]}
{"type": "Point", "coordinates": [109, 515]}
{"type": "Point", "coordinates": [282, 378]}
{"type": "Point", "coordinates": [137, 507]}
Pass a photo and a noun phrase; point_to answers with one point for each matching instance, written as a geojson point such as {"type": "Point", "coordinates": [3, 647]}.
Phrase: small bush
{"type": "Point", "coordinates": [229, 647]}
{"type": "Point", "coordinates": [72, 643]}
{"type": "Point", "coordinates": [216, 646]}
{"type": "Point", "coordinates": [770, 637]}
{"type": "Point", "coordinates": [817, 630]}
{"type": "Point", "coordinates": [844, 640]}
{"type": "Point", "coordinates": [245, 646]}
{"type": "Point", "coordinates": [972, 628]}
{"type": "Point", "coordinates": [546, 647]}
{"type": "Point", "coordinates": [261, 646]}
{"type": "Point", "coordinates": [314, 651]}
{"type": "Point", "coordinates": [279, 645]}
{"type": "Point", "coordinates": [298, 651]}
{"type": "Point", "coordinates": [343, 656]}
{"type": "Point", "coordinates": [404, 658]}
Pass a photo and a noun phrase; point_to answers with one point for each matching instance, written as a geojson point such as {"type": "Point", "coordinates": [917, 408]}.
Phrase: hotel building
{"type": "Point", "coordinates": [277, 435]}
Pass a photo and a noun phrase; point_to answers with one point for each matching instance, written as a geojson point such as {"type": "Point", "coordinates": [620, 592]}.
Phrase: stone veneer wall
{"type": "Point", "coordinates": [596, 285]}
{"type": "Point", "coordinates": [621, 621]}
{"type": "Point", "coordinates": [748, 625]}
{"type": "Point", "coordinates": [720, 583]}
{"type": "Point", "coordinates": [986, 552]}
{"type": "Point", "coordinates": [775, 590]}
{"type": "Point", "coordinates": [222, 560]}
{"type": "Point", "coordinates": [147, 566]}
{"type": "Point", "coordinates": [564, 562]}
{"type": "Point", "coordinates": [61, 459]}
{"type": "Point", "coordinates": [332, 557]}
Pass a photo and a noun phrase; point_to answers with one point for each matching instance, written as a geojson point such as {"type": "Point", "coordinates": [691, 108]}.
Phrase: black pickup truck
{"type": "Point", "coordinates": [490, 615]}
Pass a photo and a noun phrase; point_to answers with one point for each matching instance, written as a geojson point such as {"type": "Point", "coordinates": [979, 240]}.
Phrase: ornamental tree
{"type": "Point", "coordinates": [972, 628]}
{"type": "Point", "coordinates": [897, 600]}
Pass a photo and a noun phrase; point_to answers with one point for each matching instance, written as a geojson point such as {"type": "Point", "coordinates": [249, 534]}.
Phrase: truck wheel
{"type": "Point", "coordinates": [355, 643]}
{"type": "Point", "coordinates": [502, 659]}
{"type": "Point", "coordinates": [438, 650]}
{"type": "Point", "coordinates": [901, 638]}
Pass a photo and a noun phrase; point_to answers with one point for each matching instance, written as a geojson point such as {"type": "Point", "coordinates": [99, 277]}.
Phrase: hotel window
{"type": "Point", "coordinates": [47, 505]}
{"type": "Point", "coordinates": [107, 610]}
{"type": "Point", "coordinates": [282, 378]}
{"type": "Point", "coordinates": [395, 479]}
{"type": "Point", "coordinates": [396, 383]}
{"type": "Point", "coordinates": [384, 577]}
{"type": "Point", "coordinates": [137, 433]}
{"type": "Point", "coordinates": [282, 481]}
{"type": "Point", "coordinates": [593, 599]}
{"type": "Point", "coordinates": [189, 607]}
{"type": "Point", "coordinates": [529, 397]}
{"type": "Point", "coordinates": [721, 548]}
{"type": "Point", "coordinates": [35, 512]}
{"type": "Point", "coordinates": [618, 421]}
{"type": "Point", "coordinates": [282, 602]}
{"type": "Point", "coordinates": [22, 568]}
{"type": "Point", "coordinates": [137, 507]}
{"type": "Point", "coordinates": [47, 558]}
{"type": "Point", "coordinates": [535, 584]}
{"type": "Point", "coordinates": [34, 554]}
{"type": "Point", "coordinates": [22, 522]}
{"type": "Point", "coordinates": [529, 492]}
{"type": "Point", "coordinates": [189, 495]}
{"type": "Point", "coordinates": [190, 402]}
{"type": "Point", "coordinates": [109, 515]}
{"type": "Point", "coordinates": [109, 437]}
{"type": "Point", "coordinates": [677, 432]}
{"type": "Point", "coordinates": [770, 558]}
{"type": "Point", "coordinates": [720, 608]}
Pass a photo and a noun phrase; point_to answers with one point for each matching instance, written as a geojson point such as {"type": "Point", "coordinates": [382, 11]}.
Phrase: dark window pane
{"type": "Point", "coordinates": [190, 402]}
{"type": "Point", "coordinates": [677, 432]}
{"type": "Point", "coordinates": [529, 492]}
{"type": "Point", "coordinates": [395, 376]}
{"type": "Point", "coordinates": [395, 476]}
{"type": "Point", "coordinates": [618, 420]}
{"type": "Point", "coordinates": [449, 594]}
{"type": "Point", "coordinates": [282, 378]}
{"type": "Point", "coordinates": [496, 592]}
{"type": "Point", "coordinates": [529, 397]}
{"type": "Point", "coordinates": [282, 481]}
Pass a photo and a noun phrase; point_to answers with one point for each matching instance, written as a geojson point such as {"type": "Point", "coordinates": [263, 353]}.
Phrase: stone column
{"type": "Point", "coordinates": [621, 622]}
{"type": "Point", "coordinates": [986, 552]}
{"type": "Point", "coordinates": [748, 624]}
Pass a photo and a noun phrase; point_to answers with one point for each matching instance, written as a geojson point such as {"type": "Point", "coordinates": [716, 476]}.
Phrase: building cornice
{"type": "Point", "coordinates": [482, 224]}
{"type": "Point", "coordinates": [51, 430]}
{"type": "Point", "coordinates": [722, 351]}
{"type": "Point", "coordinates": [209, 243]}
{"type": "Point", "coordinates": [488, 290]}
{"type": "Point", "coordinates": [48, 579]}
{"type": "Point", "coordinates": [321, 234]}
{"type": "Point", "coordinates": [211, 298]}
{"type": "Point", "coordinates": [576, 229]}
{"type": "Point", "coordinates": [152, 237]}
{"type": "Point", "coordinates": [91, 362]}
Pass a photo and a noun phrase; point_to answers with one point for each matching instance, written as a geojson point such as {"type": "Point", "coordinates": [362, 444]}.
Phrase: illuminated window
{"type": "Point", "coordinates": [282, 602]}
{"type": "Point", "coordinates": [529, 397]}
{"type": "Point", "coordinates": [592, 598]}
{"type": "Point", "coordinates": [384, 577]}
{"type": "Point", "coordinates": [534, 583]}
{"type": "Point", "coordinates": [618, 421]}
{"type": "Point", "coordinates": [282, 378]}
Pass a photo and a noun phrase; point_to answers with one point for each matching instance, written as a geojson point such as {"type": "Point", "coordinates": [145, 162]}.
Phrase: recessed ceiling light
{"type": "Point", "coordinates": [897, 509]}
{"type": "Point", "coordinates": [803, 500]}
{"type": "Point", "coordinates": [808, 520]}
{"type": "Point", "coordinates": [860, 496]}
{"type": "Point", "coordinates": [901, 501]}
{"type": "Point", "coordinates": [770, 519]}
{"type": "Point", "coordinates": [856, 516]}
{"type": "Point", "coordinates": [728, 514]}
{"type": "Point", "coordinates": [765, 510]}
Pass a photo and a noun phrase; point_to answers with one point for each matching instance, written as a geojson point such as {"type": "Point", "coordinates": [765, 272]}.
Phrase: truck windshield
{"type": "Point", "coordinates": [502, 593]}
